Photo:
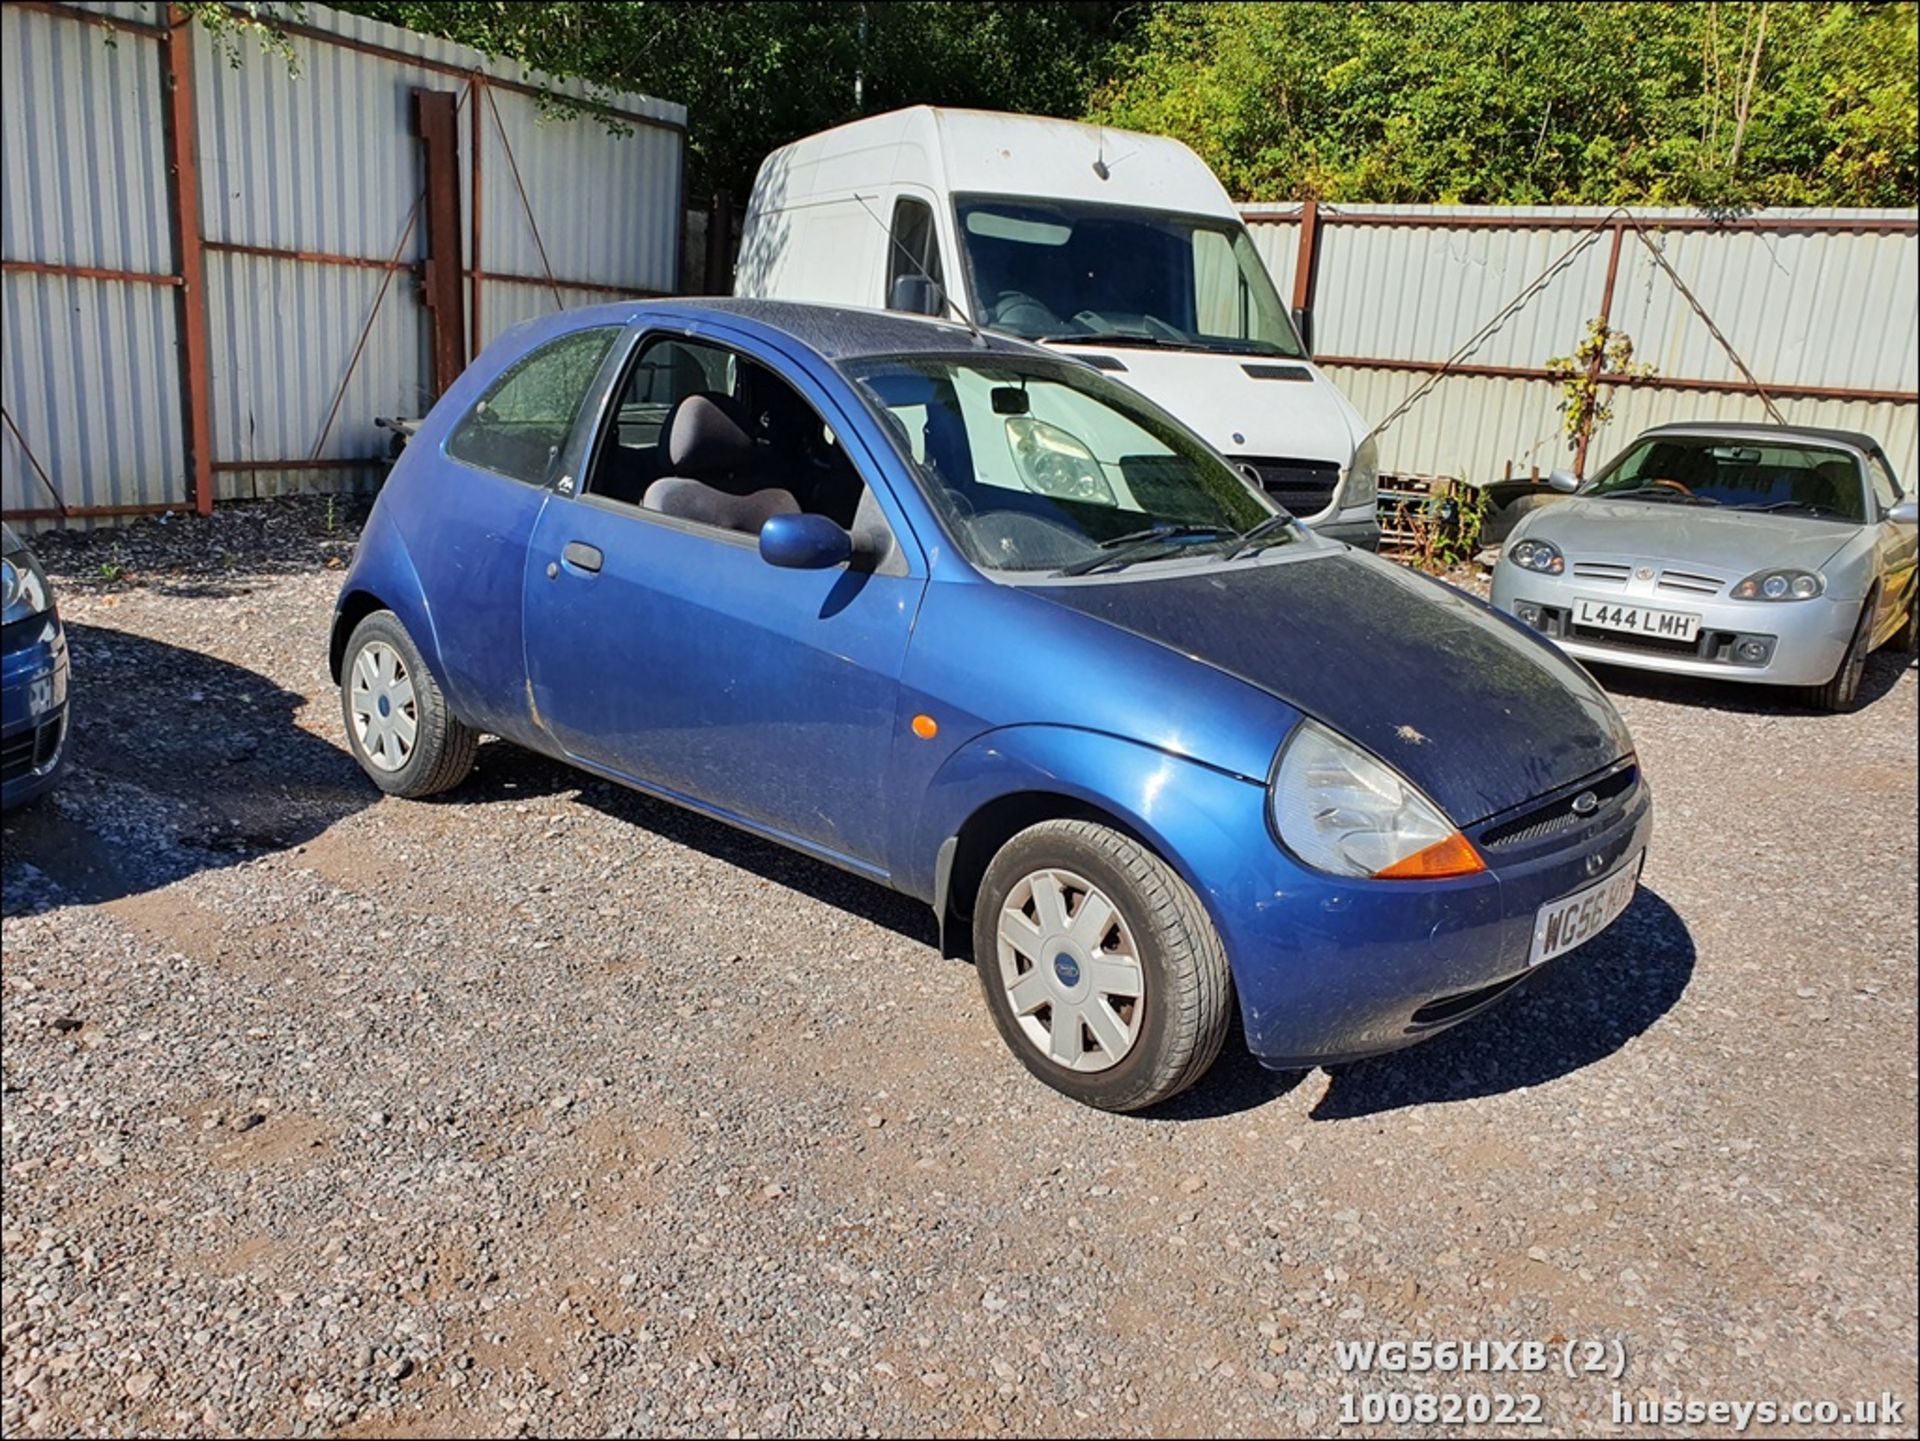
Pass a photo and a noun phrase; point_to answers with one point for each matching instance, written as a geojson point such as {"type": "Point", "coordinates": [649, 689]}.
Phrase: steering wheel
{"type": "Point", "coordinates": [1673, 485]}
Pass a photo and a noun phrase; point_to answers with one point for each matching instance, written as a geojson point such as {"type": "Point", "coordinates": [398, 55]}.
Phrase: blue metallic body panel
{"type": "Point", "coordinates": [782, 700]}
{"type": "Point", "coordinates": [34, 679]}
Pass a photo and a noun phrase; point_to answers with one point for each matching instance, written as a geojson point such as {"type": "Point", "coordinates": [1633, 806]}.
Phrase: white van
{"type": "Point", "coordinates": [1119, 248]}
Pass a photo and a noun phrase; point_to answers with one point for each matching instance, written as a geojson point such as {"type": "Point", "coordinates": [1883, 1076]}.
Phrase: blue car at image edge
{"type": "Point", "coordinates": [977, 622]}
{"type": "Point", "coordinates": [33, 677]}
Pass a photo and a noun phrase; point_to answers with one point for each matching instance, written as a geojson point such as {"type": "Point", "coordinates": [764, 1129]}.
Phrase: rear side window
{"type": "Point", "coordinates": [520, 426]}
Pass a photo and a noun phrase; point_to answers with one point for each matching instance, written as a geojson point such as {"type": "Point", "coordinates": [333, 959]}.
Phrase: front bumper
{"type": "Point", "coordinates": [1788, 643]}
{"type": "Point", "coordinates": [34, 673]}
{"type": "Point", "coordinates": [1329, 969]}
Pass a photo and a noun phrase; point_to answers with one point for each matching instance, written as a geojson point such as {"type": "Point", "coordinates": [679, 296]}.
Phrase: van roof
{"type": "Point", "coordinates": [988, 152]}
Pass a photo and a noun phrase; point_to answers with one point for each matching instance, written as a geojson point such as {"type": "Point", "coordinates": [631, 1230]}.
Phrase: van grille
{"type": "Point", "coordinates": [1304, 487]}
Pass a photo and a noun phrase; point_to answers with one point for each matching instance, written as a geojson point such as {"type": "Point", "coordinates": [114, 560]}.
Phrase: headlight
{"type": "Point", "coordinates": [23, 586]}
{"type": "Point", "coordinates": [1363, 476]}
{"type": "Point", "coordinates": [1056, 463]}
{"type": "Point", "coordinates": [1340, 810]}
{"type": "Point", "coordinates": [1780, 585]}
{"type": "Point", "coordinates": [1541, 555]}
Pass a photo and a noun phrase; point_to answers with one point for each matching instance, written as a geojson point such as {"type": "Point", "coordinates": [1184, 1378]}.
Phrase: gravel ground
{"type": "Point", "coordinates": [545, 1107]}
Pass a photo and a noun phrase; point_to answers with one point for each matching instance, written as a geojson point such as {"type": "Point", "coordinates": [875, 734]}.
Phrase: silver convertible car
{"type": "Point", "coordinates": [1762, 553]}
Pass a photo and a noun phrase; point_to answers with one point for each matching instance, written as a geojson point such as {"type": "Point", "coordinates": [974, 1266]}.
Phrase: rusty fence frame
{"type": "Point", "coordinates": [1313, 218]}
{"type": "Point", "coordinates": [174, 40]}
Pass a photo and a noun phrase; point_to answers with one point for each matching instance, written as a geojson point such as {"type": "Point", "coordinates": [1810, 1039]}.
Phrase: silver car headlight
{"type": "Point", "coordinates": [1784, 584]}
{"type": "Point", "coordinates": [1538, 555]}
{"type": "Point", "coordinates": [1363, 476]}
{"type": "Point", "coordinates": [23, 587]}
{"type": "Point", "coordinates": [1342, 811]}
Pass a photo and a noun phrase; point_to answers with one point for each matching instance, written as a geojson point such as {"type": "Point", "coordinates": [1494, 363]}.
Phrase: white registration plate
{"type": "Point", "coordinates": [1563, 924]}
{"type": "Point", "coordinates": [1636, 619]}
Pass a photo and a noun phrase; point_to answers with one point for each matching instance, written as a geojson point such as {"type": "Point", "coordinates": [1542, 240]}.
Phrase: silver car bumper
{"type": "Point", "coordinates": [1796, 642]}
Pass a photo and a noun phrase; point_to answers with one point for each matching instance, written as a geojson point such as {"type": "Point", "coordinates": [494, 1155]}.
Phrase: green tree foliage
{"type": "Point", "coordinates": [755, 76]}
{"type": "Point", "coordinates": [1722, 105]}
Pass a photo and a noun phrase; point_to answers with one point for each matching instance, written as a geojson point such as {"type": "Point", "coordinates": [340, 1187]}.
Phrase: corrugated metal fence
{"type": "Point", "coordinates": [1822, 305]}
{"type": "Point", "coordinates": [329, 267]}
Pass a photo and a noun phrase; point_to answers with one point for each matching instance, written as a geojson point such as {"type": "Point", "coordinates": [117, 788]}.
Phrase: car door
{"type": "Point", "coordinates": [671, 654]}
{"type": "Point", "coordinates": [471, 553]}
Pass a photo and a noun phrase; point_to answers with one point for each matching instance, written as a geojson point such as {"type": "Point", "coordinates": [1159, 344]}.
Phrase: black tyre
{"type": "Point", "coordinates": [1842, 693]}
{"type": "Point", "coordinates": [1906, 640]}
{"type": "Point", "coordinates": [1102, 970]}
{"type": "Point", "coordinates": [398, 724]}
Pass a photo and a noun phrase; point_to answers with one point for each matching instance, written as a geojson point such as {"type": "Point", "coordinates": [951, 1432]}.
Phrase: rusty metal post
{"type": "Point", "coordinates": [183, 201]}
{"type": "Point", "coordinates": [435, 121]}
{"type": "Point", "coordinates": [1305, 263]}
{"type": "Point", "coordinates": [474, 130]}
{"type": "Point", "coordinates": [1598, 363]}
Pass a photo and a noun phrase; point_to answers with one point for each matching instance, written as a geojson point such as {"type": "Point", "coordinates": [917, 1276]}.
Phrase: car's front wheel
{"type": "Point", "coordinates": [1842, 693]}
{"type": "Point", "coordinates": [398, 723]}
{"type": "Point", "coordinates": [1102, 970]}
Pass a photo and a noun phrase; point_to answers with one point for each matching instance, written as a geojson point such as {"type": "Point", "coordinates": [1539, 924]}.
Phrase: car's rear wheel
{"type": "Point", "coordinates": [1102, 970]}
{"type": "Point", "coordinates": [1842, 693]}
{"type": "Point", "coordinates": [1907, 638]}
{"type": "Point", "coordinates": [398, 723]}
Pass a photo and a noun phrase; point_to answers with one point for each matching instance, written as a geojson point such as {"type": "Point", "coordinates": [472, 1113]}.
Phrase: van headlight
{"type": "Point", "coordinates": [1342, 811]}
{"type": "Point", "coordinates": [1363, 476]}
{"type": "Point", "coordinates": [1780, 585]}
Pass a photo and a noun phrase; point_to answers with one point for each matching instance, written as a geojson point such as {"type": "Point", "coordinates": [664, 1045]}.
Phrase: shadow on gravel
{"type": "Point", "coordinates": [181, 763]}
{"type": "Point", "coordinates": [1884, 669]}
{"type": "Point", "coordinates": [1578, 1010]}
{"type": "Point", "coordinates": [505, 772]}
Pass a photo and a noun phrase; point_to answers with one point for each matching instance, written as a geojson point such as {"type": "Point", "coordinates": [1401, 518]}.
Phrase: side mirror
{"type": "Point", "coordinates": [1905, 512]}
{"type": "Point", "coordinates": [804, 542]}
{"type": "Point", "coordinates": [1303, 326]}
{"type": "Point", "coordinates": [1564, 481]}
{"type": "Point", "coordinates": [917, 295]}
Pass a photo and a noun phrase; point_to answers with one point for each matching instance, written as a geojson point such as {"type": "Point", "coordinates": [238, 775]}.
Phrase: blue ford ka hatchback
{"type": "Point", "coordinates": [972, 620]}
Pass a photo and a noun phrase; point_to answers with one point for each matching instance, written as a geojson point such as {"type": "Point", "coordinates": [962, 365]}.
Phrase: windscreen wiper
{"type": "Point", "coordinates": [1654, 492]}
{"type": "Point", "coordinates": [1262, 533]}
{"type": "Point", "coordinates": [1122, 549]}
{"type": "Point", "coordinates": [1111, 337]}
{"type": "Point", "coordinates": [1772, 505]}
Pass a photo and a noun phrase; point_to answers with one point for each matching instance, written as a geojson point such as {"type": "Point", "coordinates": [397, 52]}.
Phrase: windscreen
{"type": "Point", "coordinates": [1039, 467]}
{"type": "Point", "coordinates": [1775, 477]}
{"type": "Point", "coordinates": [1117, 276]}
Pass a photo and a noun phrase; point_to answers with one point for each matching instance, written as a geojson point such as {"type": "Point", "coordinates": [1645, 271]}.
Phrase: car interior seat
{"type": "Point", "coordinates": [707, 469]}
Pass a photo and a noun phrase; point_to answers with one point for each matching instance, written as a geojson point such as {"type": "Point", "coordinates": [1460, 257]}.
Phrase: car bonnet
{"type": "Point", "coordinates": [1730, 541]}
{"type": "Point", "coordinates": [1477, 713]}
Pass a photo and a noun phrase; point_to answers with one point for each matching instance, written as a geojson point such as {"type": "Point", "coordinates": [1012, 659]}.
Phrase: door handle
{"type": "Point", "coordinates": [582, 556]}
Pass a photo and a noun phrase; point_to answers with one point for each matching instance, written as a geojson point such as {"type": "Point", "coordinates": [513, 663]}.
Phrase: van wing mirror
{"type": "Point", "coordinates": [917, 295]}
{"type": "Point", "coordinates": [1303, 327]}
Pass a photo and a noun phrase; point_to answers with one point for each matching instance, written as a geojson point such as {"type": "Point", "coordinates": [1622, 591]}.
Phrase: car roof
{"type": "Point", "coordinates": [835, 332]}
{"type": "Point", "coordinates": [1859, 440]}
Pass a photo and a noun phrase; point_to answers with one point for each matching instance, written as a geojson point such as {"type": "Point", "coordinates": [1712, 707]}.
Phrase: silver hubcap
{"type": "Point", "coordinates": [1072, 974]}
{"type": "Point", "coordinates": [385, 720]}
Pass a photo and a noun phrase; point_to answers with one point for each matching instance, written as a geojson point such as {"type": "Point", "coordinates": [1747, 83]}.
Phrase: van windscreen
{"type": "Point", "coordinates": [1115, 275]}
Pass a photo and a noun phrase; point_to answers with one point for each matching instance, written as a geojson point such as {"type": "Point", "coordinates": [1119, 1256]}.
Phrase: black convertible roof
{"type": "Point", "coordinates": [1857, 439]}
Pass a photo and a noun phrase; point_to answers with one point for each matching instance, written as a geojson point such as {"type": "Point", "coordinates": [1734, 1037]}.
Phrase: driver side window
{"type": "Point", "coordinates": [1885, 489]}
{"type": "Point", "coordinates": [706, 435]}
